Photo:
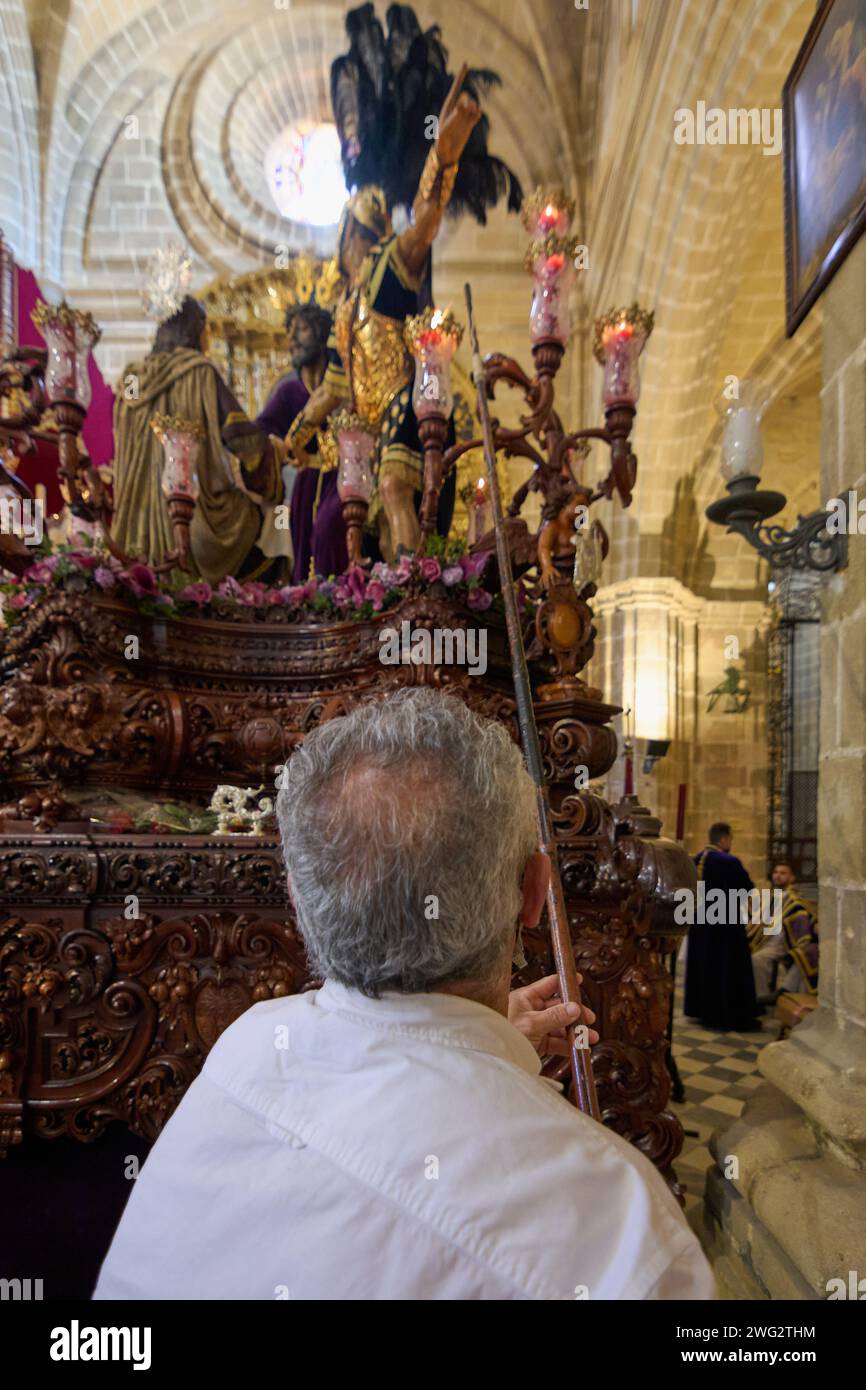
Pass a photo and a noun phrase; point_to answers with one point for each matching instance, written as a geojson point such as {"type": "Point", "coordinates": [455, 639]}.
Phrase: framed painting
{"type": "Point", "coordinates": [824, 104]}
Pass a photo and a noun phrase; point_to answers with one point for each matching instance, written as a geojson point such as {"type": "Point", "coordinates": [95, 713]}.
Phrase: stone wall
{"type": "Point", "coordinates": [794, 1216]}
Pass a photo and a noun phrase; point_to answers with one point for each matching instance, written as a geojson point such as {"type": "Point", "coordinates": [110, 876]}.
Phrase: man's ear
{"type": "Point", "coordinates": [536, 878]}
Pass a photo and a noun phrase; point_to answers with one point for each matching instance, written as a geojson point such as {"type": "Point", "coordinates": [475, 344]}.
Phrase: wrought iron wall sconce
{"type": "Point", "coordinates": [810, 545]}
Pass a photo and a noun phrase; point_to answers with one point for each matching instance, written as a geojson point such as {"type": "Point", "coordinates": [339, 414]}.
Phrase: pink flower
{"type": "Point", "coordinates": [405, 566]}
{"type": "Point", "coordinates": [341, 596]}
{"type": "Point", "coordinates": [141, 580]}
{"type": "Point", "coordinates": [376, 594]}
{"type": "Point", "coordinates": [295, 594]}
{"type": "Point", "coordinates": [385, 574]}
{"type": "Point", "coordinates": [230, 588]}
{"type": "Point", "coordinates": [41, 572]}
{"type": "Point", "coordinates": [104, 577]}
{"type": "Point", "coordinates": [253, 595]}
{"type": "Point", "coordinates": [474, 565]}
{"type": "Point", "coordinates": [86, 561]}
{"type": "Point", "coordinates": [479, 598]}
{"type": "Point", "coordinates": [451, 576]}
{"type": "Point", "coordinates": [18, 601]}
{"type": "Point", "coordinates": [199, 593]}
{"type": "Point", "coordinates": [356, 583]}
{"type": "Point", "coordinates": [274, 598]}
{"type": "Point", "coordinates": [430, 568]}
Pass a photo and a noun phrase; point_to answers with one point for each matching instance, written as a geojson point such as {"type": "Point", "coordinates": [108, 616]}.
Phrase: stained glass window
{"type": "Point", "coordinates": [304, 173]}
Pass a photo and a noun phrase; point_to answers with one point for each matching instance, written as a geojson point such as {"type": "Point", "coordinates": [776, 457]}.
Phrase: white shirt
{"type": "Point", "coordinates": [339, 1147]}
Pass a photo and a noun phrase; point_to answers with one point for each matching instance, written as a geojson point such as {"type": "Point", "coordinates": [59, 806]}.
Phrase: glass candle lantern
{"type": "Point", "coordinates": [546, 211]}
{"type": "Point", "coordinates": [356, 446]}
{"type": "Point", "coordinates": [480, 512]}
{"type": "Point", "coordinates": [70, 335]}
{"type": "Point", "coordinates": [620, 337]}
{"type": "Point", "coordinates": [742, 450]}
{"type": "Point", "coordinates": [550, 314]}
{"type": "Point", "coordinates": [433, 338]}
{"type": "Point", "coordinates": [587, 556]}
{"type": "Point", "coordinates": [181, 442]}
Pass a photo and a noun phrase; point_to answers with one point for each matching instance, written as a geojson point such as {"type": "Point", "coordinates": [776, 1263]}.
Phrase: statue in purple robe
{"type": "Point", "coordinates": [315, 512]}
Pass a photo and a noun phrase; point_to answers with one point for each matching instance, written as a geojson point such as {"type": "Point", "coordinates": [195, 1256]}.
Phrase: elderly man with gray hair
{"type": "Point", "coordinates": [389, 1135]}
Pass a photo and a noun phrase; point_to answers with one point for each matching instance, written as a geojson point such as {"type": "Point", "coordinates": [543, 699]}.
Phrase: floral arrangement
{"type": "Point", "coordinates": [354, 596]}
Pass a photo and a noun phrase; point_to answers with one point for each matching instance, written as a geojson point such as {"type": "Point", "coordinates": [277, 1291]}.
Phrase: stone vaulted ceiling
{"type": "Point", "coordinates": [125, 122]}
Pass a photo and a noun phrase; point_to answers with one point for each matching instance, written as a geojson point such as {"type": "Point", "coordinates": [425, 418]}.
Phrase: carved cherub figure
{"type": "Point", "coordinates": [567, 501]}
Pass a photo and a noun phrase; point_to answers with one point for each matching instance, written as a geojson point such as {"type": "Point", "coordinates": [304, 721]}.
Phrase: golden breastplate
{"type": "Point", "coordinates": [381, 364]}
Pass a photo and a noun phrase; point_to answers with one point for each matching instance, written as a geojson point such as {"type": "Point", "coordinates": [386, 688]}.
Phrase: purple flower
{"type": "Point", "coordinates": [474, 565]}
{"type": "Point", "coordinates": [430, 568]}
{"type": "Point", "coordinates": [104, 577]}
{"type": "Point", "coordinates": [342, 597]}
{"type": "Point", "coordinates": [376, 594]}
{"type": "Point", "coordinates": [141, 580]}
{"type": "Point", "coordinates": [327, 588]}
{"type": "Point", "coordinates": [199, 593]}
{"type": "Point", "coordinates": [479, 598]}
{"type": "Point", "coordinates": [453, 575]}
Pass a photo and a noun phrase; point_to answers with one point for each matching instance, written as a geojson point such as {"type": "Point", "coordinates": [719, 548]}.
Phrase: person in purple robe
{"type": "Point", "coordinates": [315, 511]}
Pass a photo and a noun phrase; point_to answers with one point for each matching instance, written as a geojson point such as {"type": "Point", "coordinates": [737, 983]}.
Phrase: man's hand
{"type": "Point", "coordinates": [537, 1011]}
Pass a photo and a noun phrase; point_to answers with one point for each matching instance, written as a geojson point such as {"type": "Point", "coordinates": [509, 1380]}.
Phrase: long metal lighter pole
{"type": "Point", "coordinates": [584, 1085]}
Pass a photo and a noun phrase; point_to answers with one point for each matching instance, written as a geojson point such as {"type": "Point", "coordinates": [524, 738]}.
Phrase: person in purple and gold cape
{"type": "Point", "coordinates": [316, 518]}
{"type": "Point", "coordinates": [791, 944]}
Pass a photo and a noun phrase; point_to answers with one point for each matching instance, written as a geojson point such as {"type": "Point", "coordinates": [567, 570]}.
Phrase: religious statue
{"type": "Point", "coordinates": [385, 273]}
{"type": "Point", "coordinates": [239, 466]}
{"type": "Point", "coordinates": [317, 528]}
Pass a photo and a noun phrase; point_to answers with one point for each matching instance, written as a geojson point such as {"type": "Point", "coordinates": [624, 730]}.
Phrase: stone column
{"type": "Point", "coordinates": [786, 1207]}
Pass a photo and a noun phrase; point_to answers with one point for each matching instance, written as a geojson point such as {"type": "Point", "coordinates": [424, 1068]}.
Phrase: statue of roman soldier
{"type": "Point", "coordinates": [385, 273]}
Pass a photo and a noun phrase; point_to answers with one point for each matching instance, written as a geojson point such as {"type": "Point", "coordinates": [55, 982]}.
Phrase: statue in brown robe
{"type": "Point", "coordinates": [239, 469]}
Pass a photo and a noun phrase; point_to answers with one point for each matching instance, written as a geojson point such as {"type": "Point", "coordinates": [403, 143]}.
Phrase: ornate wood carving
{"type": "Point", "coordinates": [104, 1016]}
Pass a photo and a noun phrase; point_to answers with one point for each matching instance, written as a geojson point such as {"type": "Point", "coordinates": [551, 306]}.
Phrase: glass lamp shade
{"type": "Point", "coordinates": [620, 338]}
{"type": "Point", "coordinates": [549, 314]}
{"type": "Point", "coordinates": [480, 512]}
{"type": "Point", "coordinates": [433, 338]}
{"type": "Point", "coordinates": [181, 443]}
{"type": "Point", "coordinates": [70, 335]}
{"type": "Point", "coordinates": [622, 346]}
{"type": "Point", "coordinates": [356, 447]}
{"type": "Point", "coordinates": [546, 211]}
{"type": "Point", "coordinates": [742, 449]}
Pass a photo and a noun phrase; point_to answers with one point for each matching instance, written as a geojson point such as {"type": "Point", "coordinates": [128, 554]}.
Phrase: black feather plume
{"type": "Point", "coordinates": [386, 92]}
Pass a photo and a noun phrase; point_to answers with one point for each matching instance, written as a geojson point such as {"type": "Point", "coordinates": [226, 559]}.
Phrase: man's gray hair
{"type": "Point", "coordinates": [406, 827]}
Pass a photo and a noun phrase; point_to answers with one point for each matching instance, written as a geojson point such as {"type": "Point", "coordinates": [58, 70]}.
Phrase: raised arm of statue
{"type": "Point", "coordinates": [457, 119]}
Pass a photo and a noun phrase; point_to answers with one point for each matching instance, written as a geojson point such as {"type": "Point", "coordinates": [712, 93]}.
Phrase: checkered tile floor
{"type": "Point", "coordinates": [719, 1072]}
